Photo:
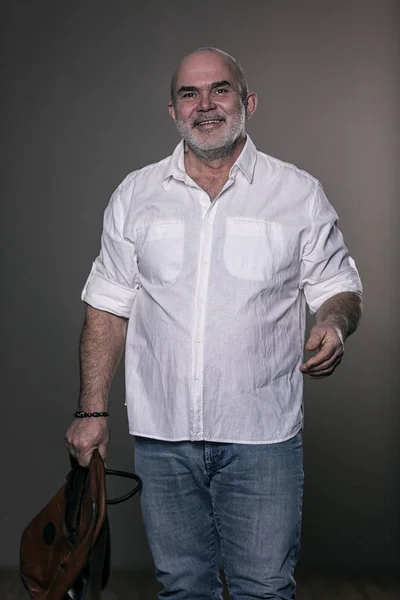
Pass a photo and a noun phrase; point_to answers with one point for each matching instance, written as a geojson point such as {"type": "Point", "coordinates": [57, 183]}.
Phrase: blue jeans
{"type": "Point", "coordinates": [208, 504]}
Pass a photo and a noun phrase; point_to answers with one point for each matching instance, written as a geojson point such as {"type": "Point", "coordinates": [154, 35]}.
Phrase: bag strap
{"type": "Point", "coordinates": [75, 466]}
{"type": "Point", "coordinates": [126, 475]}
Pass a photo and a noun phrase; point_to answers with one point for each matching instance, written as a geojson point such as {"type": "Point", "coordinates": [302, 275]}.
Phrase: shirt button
{"type": "Point", "coordinates": [205, 261]}
{"type": "Point", "coordinates": [201, 300]}
{"type": "Point", "coordinates": [199, 341]}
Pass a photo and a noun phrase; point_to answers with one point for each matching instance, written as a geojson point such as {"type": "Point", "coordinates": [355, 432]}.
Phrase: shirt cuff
{"type": "Point", "coordinates": [106, 295]}
{"type": "Point", "coordinates": [316, 294]}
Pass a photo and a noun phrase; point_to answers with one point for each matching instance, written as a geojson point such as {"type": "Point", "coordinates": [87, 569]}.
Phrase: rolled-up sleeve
{"type": "Point", "coordinates": [326, 267]}
{"type": "Point", "coordinates": [113, 281]}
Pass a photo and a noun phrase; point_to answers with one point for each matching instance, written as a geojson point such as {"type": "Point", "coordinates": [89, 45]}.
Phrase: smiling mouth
{"type": "Point", "coordinates": [208, 122]}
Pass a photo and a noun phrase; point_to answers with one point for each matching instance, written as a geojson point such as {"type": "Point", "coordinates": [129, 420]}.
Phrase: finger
{"type": "Point", "coordinates": [322, 375]}
{"type": "Point", "coordinates": [327, 365]}
{"type": "Point", "coordinates": [81, 455]}
{"type": "Point", "coordinates": [103, 451]}
{"type": "Point", "coordinates": [327, 370]}
{"type": "Point", "coordinates": [314, 341]}
{"type": "Point", "coordinates": [76, 455]}
{"type": "Point", "coordinates": [70, 448]}
{"type": "Point", "coordinates": [319, 374]}
{"type": "Point", "coordinates": [324, 364]}
{"type": "Point", "coordinates": [322, 356]}
{"type": "Point", "coordinates": [83, 458]}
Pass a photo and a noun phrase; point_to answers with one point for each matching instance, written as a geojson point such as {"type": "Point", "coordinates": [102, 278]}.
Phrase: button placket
{"type": "Point", "coordinates": [205, 246]}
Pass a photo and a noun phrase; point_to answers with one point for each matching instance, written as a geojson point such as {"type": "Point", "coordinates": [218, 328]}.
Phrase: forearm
{"type": "Point", "coordinates": [101, 346]}
{"type": "Point", "coordinates": [343, 311]}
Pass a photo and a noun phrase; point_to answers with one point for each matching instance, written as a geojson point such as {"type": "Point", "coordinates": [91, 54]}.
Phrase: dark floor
{"type": "Point", "coordinates": [142, 586]}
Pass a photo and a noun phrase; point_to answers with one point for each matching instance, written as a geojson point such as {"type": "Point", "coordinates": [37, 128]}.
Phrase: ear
{"type": "Point", "coordinates": [252, 101]}
{"type": "Point", "coordinates": [171, 111]}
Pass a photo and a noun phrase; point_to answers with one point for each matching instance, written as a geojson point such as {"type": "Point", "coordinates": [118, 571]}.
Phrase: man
{"type": "Point", "coordinates": [207, 261]}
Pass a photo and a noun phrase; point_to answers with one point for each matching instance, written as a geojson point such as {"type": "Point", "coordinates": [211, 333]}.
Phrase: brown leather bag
{"type": "Point", "coordinates": [65, 549]}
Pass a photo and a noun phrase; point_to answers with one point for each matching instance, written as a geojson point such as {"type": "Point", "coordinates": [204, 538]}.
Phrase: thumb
{"type": "Point", "coordinates": [103, 451]}
{"type": "Point", "coordinates": [84, 457]}
{"type": "Point", "coordinates": [314, 341]}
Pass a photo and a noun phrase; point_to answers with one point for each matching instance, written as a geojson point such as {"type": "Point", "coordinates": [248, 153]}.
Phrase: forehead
{"type": "Point", "coordinates": [204, 68]}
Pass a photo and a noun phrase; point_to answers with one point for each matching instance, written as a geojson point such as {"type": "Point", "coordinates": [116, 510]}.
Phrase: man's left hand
{"type": "Point", "coordinates": [325, 338]}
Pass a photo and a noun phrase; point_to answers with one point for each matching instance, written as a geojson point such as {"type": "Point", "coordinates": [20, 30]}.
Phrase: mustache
{"type": "Point", "coordinates": [209, 117]}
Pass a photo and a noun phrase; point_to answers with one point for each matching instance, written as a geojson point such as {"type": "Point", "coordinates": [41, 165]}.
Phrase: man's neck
{"type": "Point", "coordinates": [201, 168]}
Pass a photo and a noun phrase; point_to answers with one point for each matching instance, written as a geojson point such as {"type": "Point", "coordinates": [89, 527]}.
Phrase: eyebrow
{"type": "Point", "coordinates": [223, 83]}
{"type": "Point", "coordinates": [193, 88]}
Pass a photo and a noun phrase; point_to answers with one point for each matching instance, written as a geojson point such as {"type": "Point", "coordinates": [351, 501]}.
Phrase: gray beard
{"type": "Point", "coordinates": [205, 152]}
{"type": "Point", "coordinates": [212, 154]}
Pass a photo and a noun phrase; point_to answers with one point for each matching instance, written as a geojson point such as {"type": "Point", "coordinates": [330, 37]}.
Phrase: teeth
{"type": "Point", "coordinates": [207, 122]}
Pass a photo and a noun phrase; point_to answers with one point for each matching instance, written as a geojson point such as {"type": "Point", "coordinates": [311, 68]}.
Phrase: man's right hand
{"type": "Point", "coordinates": [84, 436]}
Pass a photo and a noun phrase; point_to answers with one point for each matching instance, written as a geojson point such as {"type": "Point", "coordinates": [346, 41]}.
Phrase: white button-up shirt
{"type": "Point", "coordinates": [215, 293]}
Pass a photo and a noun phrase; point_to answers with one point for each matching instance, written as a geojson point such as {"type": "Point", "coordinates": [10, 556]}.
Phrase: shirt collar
{"type": "Point", "coordinates": [175, 166]}
{"type": "Point", "coordinates": [247, 159]}
{"type": "Point", "coordinates": [246, 162]}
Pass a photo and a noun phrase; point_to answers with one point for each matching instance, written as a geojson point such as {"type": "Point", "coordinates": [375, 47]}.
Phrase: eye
{"type": "Point", "coordinates": [221, 90]}
{"type": "Point", "coordinates": [188, 95]}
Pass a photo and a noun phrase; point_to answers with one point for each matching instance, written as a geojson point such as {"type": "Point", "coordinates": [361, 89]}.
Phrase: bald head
{"type": "Point", "coordinates": [235, 68]}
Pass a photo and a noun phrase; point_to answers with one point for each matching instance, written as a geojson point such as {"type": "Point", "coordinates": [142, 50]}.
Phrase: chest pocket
{"type": "Point", "coordinates": [160, 252]}
{"type": "Point", "coordinates": [255, 250]}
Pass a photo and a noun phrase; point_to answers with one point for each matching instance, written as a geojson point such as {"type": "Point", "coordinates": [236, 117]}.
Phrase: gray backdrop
{"type": "Point", "coordinates": [85, 91]}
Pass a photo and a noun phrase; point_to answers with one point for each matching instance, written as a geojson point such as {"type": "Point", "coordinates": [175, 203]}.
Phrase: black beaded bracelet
{"type": "Point", "coordinates": [81, 414]}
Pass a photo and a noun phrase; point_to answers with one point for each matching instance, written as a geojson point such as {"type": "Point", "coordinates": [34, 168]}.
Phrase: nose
{"type": "Point", "coordinates": [205, 102]}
